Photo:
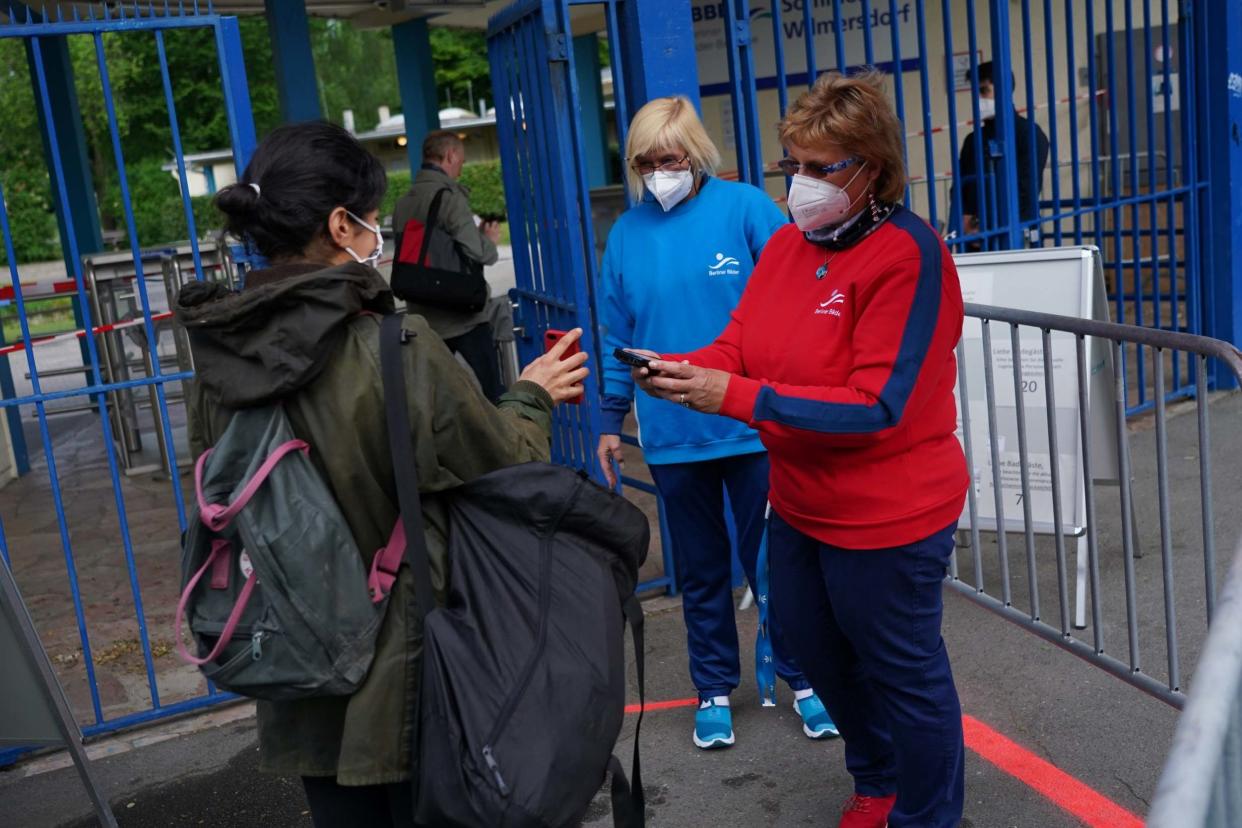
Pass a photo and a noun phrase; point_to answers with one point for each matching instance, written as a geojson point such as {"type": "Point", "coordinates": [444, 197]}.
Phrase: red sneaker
{"type": "Point", "coordinates": [866, 811]}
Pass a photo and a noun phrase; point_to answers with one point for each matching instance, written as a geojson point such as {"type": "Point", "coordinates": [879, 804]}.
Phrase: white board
{"type": "Point", "coordinates": [1067, 281]}
{"type": "Point", "coordinates": [34, 709]}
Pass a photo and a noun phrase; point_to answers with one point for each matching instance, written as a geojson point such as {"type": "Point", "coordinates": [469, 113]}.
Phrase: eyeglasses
{"type": "Point", "coordinates": [791, 167]}
{"type": "Point", "coordinates": [666, 164]}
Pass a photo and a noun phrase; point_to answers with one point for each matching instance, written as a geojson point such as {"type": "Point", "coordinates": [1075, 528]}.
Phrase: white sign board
{"type": "Point", "coordinates": [712, 45]}
{"type": "Point", "coordinates": [35, 711]}
{"type": "Point", "coordinates": [1067, 281]}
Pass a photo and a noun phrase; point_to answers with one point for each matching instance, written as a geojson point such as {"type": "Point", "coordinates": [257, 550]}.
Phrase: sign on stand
{"type": "Point", "coordinates": [35, 711]}
{"type": "Point", "coordinates": [1067, 281]}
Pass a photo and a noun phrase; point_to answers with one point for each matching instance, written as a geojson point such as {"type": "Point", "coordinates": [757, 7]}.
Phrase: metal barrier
{"type": "Point", "coordinates": [99, 539]}
{"type": "Point", "coordinates": [1202, 780]}
{"type": "Point", "coordinates": [1132, 589]}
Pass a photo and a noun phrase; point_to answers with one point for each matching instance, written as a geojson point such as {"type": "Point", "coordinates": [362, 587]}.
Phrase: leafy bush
{"type": "Point", "coordinates": [207, 219]}
{"type": "Point", "coordinates": [487, 189]}
{"type": "Point", "coordinates": [398, 185]}
{"type": "Point", "coordinates": [159, 214]}
{"type": "Point", "coordinates": [27, 197]}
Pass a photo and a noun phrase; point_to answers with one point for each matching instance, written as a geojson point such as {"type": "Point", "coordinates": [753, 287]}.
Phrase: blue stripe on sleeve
{"type": "Point", "coordinates": [859, 418]}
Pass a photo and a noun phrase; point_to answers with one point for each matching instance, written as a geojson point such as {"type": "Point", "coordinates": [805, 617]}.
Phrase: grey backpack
{"type": "Point", "coordinates": [274, 590]}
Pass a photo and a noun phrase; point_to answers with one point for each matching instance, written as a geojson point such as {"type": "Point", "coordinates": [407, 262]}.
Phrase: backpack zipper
{"type": "Point", "coordinates": [545, 599]}
{"type": "Point", "coordinates": [256, 646]}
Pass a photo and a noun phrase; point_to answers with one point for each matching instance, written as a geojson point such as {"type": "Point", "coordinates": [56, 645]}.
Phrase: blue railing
{"type": "Point", "coordinates": [40, 29]}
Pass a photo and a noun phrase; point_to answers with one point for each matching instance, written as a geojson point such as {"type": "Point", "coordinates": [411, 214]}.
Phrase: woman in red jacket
{"type": "Point", "coordinates": [841, 355]}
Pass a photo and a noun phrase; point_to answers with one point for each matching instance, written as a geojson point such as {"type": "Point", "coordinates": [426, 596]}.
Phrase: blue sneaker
{"type": "Point", "coordinates": [816, 723]}
{"type": "Point", "coordinates": [713, 726]}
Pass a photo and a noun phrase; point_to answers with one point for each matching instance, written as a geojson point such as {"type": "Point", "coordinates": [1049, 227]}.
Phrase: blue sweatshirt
{"type": "Point", "coordinates": [669, 282]}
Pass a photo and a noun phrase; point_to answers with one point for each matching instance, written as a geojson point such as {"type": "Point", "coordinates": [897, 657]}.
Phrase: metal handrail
{"type": "Point", "coordinates": [1154, 337]}
{"type": "Point", "coordinates": [1201, 783]}
{"type": "Point", "coordinates": [1128, 667]}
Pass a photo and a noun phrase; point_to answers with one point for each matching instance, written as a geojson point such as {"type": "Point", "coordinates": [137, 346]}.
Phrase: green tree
{"type": "Point", "coordinates": [27, 190]}
{"type": "Point", "coordinates": [357, 70]}
{"type": "Point", "coordinates": [461, 67]}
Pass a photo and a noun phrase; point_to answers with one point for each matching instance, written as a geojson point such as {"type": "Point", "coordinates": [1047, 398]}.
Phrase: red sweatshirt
{"type": "Point", "coordinates": [849, 380]}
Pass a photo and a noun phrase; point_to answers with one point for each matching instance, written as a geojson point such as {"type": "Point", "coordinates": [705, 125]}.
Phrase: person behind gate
{"type": "Point", "coordinates": [674, 266]}
{"type": "Point", "coordinates": [841, 354]}
{"type": "Point", "coordinates": [305, 332]}
{"type": "Point", "coordinates": [467, 334]}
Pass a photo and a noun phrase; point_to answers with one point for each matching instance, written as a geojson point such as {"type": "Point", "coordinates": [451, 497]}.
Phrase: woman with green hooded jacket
{"type": "Point", "coordinates": [305, 331]}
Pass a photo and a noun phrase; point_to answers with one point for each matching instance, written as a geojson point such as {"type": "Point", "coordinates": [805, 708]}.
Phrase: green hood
{"type": "Point", "coordinates": [257, 346]}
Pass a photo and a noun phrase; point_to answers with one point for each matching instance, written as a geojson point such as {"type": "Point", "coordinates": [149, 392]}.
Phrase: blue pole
{"type": "Point", "coordinates": [296, 86]}
{"type": "Point", "coordinates": [236, 92]}
{"type": "Point", "coordinates": [1002, 74]}
{"type": "Point", "coordinates": [1221, 96]}
{"type": "Point", "coordinates": [416, 78]}
{"type": "Point", "coordinates": [77, 214]}
{"type": "Point", "coordinates": [591, 106]}
{"type": "Point", "coordinates": [657, 45]}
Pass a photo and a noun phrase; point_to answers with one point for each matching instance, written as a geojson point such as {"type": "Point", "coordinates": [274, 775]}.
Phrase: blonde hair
{"type": "Point", "coordinates": [663, 123]}
{"type": "Point", "coordinates": [852, 112]}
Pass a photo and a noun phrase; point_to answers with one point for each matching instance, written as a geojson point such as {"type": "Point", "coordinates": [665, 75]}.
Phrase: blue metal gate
{"type": "Point", "coordinates": [1114, 85]}
{"type": "Point", "coordinates": [545, 180]}
{"type": "Point", "coordinates": [62, 497]}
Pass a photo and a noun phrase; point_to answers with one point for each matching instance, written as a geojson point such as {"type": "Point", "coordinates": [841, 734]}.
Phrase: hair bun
{"type": "Point", "coordinates": [240, 200]}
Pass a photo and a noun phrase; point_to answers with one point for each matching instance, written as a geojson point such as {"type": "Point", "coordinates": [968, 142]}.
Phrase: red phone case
{"type": "Point", "coordinates": [550, 338]}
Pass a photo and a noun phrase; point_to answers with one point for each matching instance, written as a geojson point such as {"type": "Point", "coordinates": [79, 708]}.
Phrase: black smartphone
{"type": "Point", "coordinates": [634, 360]}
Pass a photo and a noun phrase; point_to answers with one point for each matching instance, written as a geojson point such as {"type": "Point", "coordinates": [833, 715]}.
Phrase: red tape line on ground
{"type": "Point", "coordinates": [1046, 779]}
{"type": "Point", "coordinates": [1057, 786]}
{"type": "Point", "coordinates": [663, 705]}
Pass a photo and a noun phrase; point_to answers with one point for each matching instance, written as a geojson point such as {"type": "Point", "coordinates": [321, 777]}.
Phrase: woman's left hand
{"type": "Point", "coordinates": [700, 389]}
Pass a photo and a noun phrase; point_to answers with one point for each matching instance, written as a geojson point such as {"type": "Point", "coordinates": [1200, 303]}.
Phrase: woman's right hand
{"type": "Point", "coordinates": [561, 378]}
{"type": "Point", "coordinates": [609, 449]}
{"type": "Point", "coordinates": [642, 376]}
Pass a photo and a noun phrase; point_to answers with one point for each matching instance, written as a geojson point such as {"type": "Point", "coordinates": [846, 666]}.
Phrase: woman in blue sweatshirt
{"type": "Point", "coordinates": [673, 270]}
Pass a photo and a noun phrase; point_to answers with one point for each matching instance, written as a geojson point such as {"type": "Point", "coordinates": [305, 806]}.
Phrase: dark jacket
{"type": "Point", "coordinates": [1029, 186]}
{"type": "Point", "coordinates": [311, 341]}
{"type": "Point", "coordinates": [458, 221]}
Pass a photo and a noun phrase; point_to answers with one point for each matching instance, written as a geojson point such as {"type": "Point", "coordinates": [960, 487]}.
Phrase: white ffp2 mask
{"type": "Point", "coordinates": [987, 108]}
{"type": "Point", "coordinates": [815, 203]}
{"type": "Point", "coordinates": [669, 188]}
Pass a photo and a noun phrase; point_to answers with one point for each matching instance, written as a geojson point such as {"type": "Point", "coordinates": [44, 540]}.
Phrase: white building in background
{"type": "Point", "coordinates": [207, 172]}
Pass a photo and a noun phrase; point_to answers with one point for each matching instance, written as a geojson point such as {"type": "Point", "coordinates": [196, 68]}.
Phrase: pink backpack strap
{"type": "Point", "coordinates": [217, 516]}
{"type": "Point", "coordinates": [385, 564]}
{"type": "Point", "coordinates": [230, 626]}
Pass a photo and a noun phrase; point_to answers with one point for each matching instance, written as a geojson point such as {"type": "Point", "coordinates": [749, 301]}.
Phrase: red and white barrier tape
{"type": "Point", "coordinates": [115, 326]}
{"type": "Point", "coordinates": [969, 122]}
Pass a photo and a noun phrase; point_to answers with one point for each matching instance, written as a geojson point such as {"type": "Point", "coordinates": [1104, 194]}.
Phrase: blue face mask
{"type": "Point", "coordinates": [377, 253]}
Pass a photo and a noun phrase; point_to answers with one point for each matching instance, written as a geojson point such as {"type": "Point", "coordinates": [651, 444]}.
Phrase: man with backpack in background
{"type": "Point", "coordinates": [468, 334]}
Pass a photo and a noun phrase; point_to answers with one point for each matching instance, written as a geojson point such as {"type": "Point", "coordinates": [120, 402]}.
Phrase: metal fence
{"type": "Point", "coordinates": [79, 498]}
{"type": "Point", "coordinates": [1142, 628]}
{"type": "Point", "coordinates": [1201, 785]}
{"type": "Point", "coordinates": [1114, 85]}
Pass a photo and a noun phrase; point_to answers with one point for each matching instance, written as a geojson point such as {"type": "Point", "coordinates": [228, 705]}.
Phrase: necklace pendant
{"type": "Point", "coordinates": [821, 271]}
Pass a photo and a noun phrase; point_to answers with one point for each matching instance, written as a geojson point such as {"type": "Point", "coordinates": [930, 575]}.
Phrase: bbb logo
{"type": "Point", "coordinates": [724, 266]}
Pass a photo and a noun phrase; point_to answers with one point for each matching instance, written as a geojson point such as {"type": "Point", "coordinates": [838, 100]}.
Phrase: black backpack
{"type": "Point", "coordinates": [522, 689]}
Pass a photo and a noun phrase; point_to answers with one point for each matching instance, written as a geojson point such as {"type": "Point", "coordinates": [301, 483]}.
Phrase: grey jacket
{"type": "Point", "coordinates": [457, 219]}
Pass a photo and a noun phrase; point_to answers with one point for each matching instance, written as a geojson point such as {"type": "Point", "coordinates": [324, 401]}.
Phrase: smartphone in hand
{"type": "Point", "coordinates": [550, 337]}
{"type": "Point", "coordinates": [633, 358]}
